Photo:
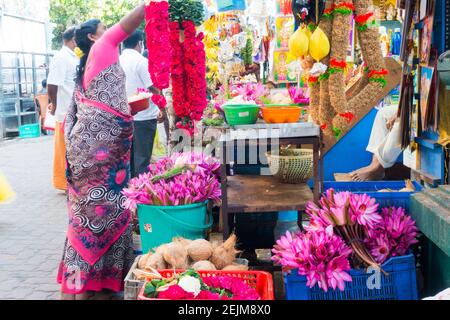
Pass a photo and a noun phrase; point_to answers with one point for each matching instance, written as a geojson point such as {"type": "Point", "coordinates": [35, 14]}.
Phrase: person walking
{"type": "Point", "coordinates": [60, 88]}
{"type": "Point", "coordinates": [145, 122]}
{"type": "Point", "coordinates": [98, 251]}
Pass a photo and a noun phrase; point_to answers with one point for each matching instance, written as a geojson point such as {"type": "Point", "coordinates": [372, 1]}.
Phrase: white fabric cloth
{"type": "Point", "coordinates": [62, 74]}
{"type": "Point", "coordinates": [135, 66]}
{"type": "Point", "coordinates": [385, 144]}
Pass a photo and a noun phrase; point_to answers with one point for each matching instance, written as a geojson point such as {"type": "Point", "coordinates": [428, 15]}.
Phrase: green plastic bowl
{"type": "Point", "coordinates": [239, 114]}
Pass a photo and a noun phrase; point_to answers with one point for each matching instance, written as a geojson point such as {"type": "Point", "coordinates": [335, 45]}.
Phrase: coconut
{"type": "Point", "coordinates": [203, 265]}
{"type": "Point", "coordinates": [184, 242]}
{"type": "Point", "coordinates": [236, 267]}
{"type": "Point", "coordinates": [143, 260]}
{"type": "Point", "coordinates": [224, 254]}
{"type": "Point", "coordinates": [161, 249]}
{"type": "Point", "coordinates": [155, 261]}
{"type": "Point", "coordinates": [176, 255]}
{"type": "Point", "coordinates": [200, 249]}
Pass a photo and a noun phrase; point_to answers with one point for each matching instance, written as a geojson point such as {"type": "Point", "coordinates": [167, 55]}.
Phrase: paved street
{"type": "Point", "coordinates": [32, 228]}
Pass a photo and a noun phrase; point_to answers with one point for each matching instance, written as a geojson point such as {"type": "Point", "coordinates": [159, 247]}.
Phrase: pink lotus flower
{"type": "Point", "coordinates": [195, 186]}
{"type": "Point", "coordinates": [298, 95]}
{"type": "Point", "coordinates": [320, 255]}
{"type": "Point", "coordinates": [364, 210]}
{"type": "Point", "coordinates": [392, 236]}
{"type": "Point", "coordinates": [252, 91]}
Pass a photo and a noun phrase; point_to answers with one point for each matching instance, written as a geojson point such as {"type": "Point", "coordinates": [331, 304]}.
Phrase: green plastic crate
{"type": "Point", "coordinates": [30, 131]}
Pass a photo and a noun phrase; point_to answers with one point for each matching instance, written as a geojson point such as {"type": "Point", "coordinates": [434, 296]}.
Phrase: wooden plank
{"type": "Point", "coordinates": [254, 194]}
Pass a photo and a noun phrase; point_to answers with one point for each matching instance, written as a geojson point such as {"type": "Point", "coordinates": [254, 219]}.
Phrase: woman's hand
{"type": "Point", "coordinates": [390, 123]}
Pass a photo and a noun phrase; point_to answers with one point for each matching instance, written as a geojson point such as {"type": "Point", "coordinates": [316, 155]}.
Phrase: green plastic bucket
{"type": "Point", "coordinates": [159, 224]}
{"type": "Point", "coordinates": [237, 114]}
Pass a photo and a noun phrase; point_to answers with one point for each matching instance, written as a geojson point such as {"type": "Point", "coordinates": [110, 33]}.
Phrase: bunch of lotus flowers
{"type": "Point", "coordinates": [393, 236]}
{"type": "Point", "coordinates": [320, 255]}
{"type": "Point", "coordinates": [252, 91]}
{"type": "Point", "coordinates": [180, 179]}
{"type": "Point", "coordinates": [350, 215]}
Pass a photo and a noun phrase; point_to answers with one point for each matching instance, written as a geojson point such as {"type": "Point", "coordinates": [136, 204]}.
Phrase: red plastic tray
{"type": "Point", "coordinates": [260, 280]}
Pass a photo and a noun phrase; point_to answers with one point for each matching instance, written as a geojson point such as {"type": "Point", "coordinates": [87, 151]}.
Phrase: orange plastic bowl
{"type": "Point", "coordinates": [139, 105]}
{"type": "Point", "coordinates": [281, 114]}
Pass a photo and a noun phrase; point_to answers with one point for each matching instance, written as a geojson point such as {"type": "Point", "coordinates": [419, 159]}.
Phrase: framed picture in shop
{"type": "Point", "coordinates": [284, 29]}
{"type": "Point", "coordinates": [282, 70]}
{"type": "Point", "coordinates": [426, 77]}
{"type": "Point", "coordinates": [427, 35]}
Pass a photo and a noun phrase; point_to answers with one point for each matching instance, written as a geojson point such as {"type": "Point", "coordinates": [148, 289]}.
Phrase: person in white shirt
{"type": "Point", "coordinates": [135, 66]}
{"type": "Point", "coordinates": [60, 87]}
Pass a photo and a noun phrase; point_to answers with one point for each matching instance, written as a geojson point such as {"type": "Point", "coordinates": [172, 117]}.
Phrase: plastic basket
{"type": "Point", "coordinates": [132, 286]}
{"type": "Point", "coordinates": [296, 168]}
{"type": "Point", "coordinates": [30, 131]}
{"type": "Point", "coordinates": [260, 280]}
{"type": "Point", "coordinates": [241, 114]}
{"type": "Point", "coordinates": [399, 284]}
{"type": "Point", "coordinates": [372, 188]}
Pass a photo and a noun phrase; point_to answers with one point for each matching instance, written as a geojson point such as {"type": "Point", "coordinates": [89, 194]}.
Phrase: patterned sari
{"type": "Point", "coordinates": [98, 132]}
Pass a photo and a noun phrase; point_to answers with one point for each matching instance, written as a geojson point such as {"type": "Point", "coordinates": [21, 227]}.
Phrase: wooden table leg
{"type": "Point", "coordinates": [316, 164]}
{"type": "Point", "coordinates": [224, 226]}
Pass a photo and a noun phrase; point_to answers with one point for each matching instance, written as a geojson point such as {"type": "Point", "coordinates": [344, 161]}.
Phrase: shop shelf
{"type": "Point", "coordinates": [372, 188]}
{"type": "Point", "coordinates": [399, 284]}
{"type": "Point", "coordinates": [250, 194]}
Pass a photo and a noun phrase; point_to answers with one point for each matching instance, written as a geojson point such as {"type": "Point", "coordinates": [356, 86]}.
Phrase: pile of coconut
{"type": "Point", "coordinates": [197, 254]}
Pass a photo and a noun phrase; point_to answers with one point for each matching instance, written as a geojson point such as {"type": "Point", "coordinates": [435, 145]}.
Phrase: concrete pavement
{"type": "Point", "coordinates": [33, 227]}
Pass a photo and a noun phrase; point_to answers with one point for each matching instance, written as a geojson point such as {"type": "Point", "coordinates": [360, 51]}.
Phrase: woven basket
{"type": "Point", "coordinates": [294, 166]}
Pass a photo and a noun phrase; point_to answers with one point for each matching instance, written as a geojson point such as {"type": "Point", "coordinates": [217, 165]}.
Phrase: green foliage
{"type": "Point", "coordinates": [183, 10]}
{"type": "Point", "coordinates": [66, 13]}
{"type": "Point", "coordinates": [247, 53]}
{"type": "Point", "coordinates": [113, 11]}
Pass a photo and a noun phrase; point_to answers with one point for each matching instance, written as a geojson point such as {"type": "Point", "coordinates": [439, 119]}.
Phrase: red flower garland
{"type": "Point", "coordinates": [188, 75]}
{"type": "Point", "coordinates": [159, 51]}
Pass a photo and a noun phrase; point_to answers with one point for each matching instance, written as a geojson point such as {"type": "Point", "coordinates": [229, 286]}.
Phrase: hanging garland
{"type": "Point", "coordinates": [341, 30]}
{"type": "Point", "coordinates": [188, 75]}
{"type": "Point", "coordinates": [159, 53]}
{"type": "Point", "coordinates": [182, 61]}
{"type": "Point", "coordinates": [318, 107]}
{"type": "Point", "coordinates": [370, 46]}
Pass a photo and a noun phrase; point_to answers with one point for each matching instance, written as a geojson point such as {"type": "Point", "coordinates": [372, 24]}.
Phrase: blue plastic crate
{"type": "Point", "coordinates": [30, 131]}
{"type": "Point", "coordinates": [400, 284]}
{"type": "Point", "coordinates": [371, 188]}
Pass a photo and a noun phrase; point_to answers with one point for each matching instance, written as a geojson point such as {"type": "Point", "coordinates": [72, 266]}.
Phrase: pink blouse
{"type": "Point", "coordinates": [104, 53]}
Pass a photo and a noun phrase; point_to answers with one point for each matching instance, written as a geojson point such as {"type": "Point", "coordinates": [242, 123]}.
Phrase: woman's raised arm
{"type": "Point", "coordinates": [133, 19]}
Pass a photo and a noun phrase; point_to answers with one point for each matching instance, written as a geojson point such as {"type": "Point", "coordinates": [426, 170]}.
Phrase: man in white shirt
{"type": "Point", "coordinates": [60, 87]}
{"type": "Point", "coordinates": [135, 66]}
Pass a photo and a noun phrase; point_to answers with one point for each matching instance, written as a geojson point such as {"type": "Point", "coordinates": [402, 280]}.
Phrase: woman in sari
{"type": "Point", "coordinates": [98, 133]}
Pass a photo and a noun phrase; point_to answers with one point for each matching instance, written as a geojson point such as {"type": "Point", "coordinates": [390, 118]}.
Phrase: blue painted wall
{"type": "Point", "coordinates": [350, 152]}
